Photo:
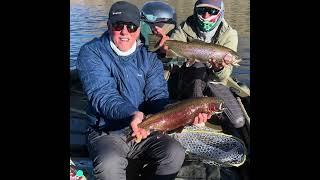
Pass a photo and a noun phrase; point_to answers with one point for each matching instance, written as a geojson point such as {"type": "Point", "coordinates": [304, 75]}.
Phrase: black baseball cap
{"type": "Point", "coordinates": [125, 12]}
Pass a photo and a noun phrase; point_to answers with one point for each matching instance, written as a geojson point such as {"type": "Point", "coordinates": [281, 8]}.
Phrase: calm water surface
{"type": "Point", "coordinates": [88, 19]}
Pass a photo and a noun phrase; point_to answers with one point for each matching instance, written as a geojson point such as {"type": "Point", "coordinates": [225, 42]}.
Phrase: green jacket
{"type": "Point", "coordinates": [227, 37]}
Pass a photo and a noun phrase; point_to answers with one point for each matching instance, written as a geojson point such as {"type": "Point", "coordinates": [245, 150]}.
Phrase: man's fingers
{"type": "Point", "coordinates": [224, 64]}
{"type": "Point", "coordinates": [141, 133]}
{"type": "Point", "coordinates": [147, 132]}
{"type": "Point", "coordinates": [164, 38]}
{"type": "Point", "coordinates": [133, 134]}
{"type": "Point", "coordinates": [135, 129]}
{"type": "Point", "coordinates": [159, 30]}
{"type": "Point", "coordinates": [217, 64]}
{"type": "Point", "coordinates": [205, 118]}
{"type": "Point", "coordinates": [212, 60]}
{"type": "Point", "coordinates": [196, 120]}
{"type": "Point", "coordinates": [202, 117]}
{"type": "Point", "coordinates": [227, 58]}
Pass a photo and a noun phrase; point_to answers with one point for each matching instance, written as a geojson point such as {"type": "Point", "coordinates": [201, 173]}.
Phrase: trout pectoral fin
{"type": "Point", "coordinates": [171, 54]}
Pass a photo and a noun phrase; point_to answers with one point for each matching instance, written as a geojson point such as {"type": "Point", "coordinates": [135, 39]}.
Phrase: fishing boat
{"type": "Point", "coordinates": [192, 168]}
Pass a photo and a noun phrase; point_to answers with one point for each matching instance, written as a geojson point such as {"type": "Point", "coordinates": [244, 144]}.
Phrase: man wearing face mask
{"type": "Point", "coordinates": [123, 82]}
{"type": "Point", "coordinates": [206, 24]}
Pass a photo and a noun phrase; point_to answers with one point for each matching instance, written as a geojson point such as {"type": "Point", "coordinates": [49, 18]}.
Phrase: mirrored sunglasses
{"type": "Point", "coordinates": [118, 26]}
{"type": "Point", "coordinates": [203, 10]}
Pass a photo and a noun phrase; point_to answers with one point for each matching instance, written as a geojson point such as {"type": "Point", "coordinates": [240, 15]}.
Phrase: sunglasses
{"type": "Point", "coordinates": [203, 10]}
{"type": "Point", "coordinates": [118, 26]}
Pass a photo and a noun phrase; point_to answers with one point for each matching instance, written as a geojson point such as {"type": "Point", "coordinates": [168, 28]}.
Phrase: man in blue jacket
{"type": "Point", "coordinates": [123, 82]}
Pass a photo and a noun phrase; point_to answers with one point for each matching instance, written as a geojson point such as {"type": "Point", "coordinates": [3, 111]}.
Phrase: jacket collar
{"type": "Point", "coordinates": [105, 40]}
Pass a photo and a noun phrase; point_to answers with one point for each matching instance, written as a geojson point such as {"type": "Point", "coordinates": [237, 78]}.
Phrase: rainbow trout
{"type": "Point", "coordinates": [180, 114]}
{"type": "Point", "coordinates": [194, 51]}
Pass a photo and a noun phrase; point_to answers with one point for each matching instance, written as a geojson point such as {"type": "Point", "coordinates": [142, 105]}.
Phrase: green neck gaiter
{"type": "Point", "coordinates": [207, 26]}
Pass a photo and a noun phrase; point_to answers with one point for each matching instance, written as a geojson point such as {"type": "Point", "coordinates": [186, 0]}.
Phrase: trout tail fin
{"type": "Point", "coordinates": [154, 41]}
{"type": "Point", "coordinates": [236, 62]}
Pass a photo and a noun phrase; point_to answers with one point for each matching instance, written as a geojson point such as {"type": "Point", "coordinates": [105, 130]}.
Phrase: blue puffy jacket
{"type": "Point", "coordinates": [119, 85]}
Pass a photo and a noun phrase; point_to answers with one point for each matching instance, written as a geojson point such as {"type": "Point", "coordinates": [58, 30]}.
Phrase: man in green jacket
{"type": "Point", "coordinates": [206, 24]}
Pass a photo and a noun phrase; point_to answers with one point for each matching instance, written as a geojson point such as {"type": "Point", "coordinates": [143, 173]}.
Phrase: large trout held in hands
{"type": "Point", "coordinates": [195, 50]}
{"type": "Point", "coordinates": [180, 114]}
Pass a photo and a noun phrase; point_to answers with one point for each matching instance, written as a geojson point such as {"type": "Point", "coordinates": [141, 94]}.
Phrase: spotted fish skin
{"type": "Point", "coordinates": [195, 51]}
{"type": "Point", "coordinates": [181, 114]}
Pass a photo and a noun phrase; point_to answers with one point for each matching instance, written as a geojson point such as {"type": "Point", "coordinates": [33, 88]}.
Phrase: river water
{"type": "Point", "coordinates": [88, 19]}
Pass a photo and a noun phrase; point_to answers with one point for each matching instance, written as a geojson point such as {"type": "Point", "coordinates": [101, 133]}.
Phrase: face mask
{"type": "Point", "coordinates": [209, 24]}
{"type": "Point", "coordinates": [206, 25]}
